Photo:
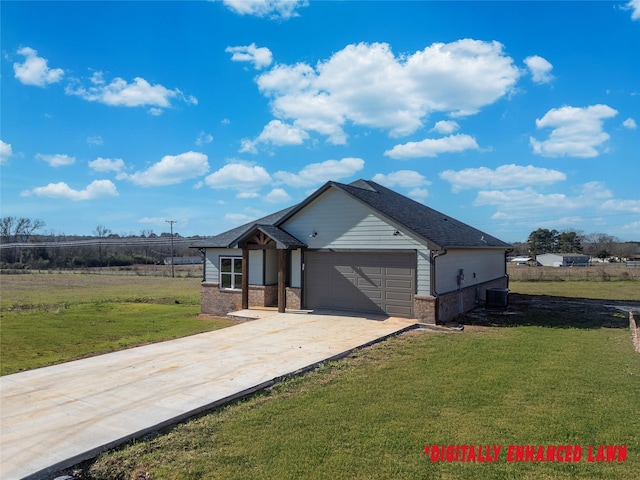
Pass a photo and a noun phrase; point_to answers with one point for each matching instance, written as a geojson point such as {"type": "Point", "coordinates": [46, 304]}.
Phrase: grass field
{"type": "Point", "coordinates": [52, 318]}
{"type": "Point", "coordinates": [370, 415]}
{"type": "Point", "coordinates": [620, 290]}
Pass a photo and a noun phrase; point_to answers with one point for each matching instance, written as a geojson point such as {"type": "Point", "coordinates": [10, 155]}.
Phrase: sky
{"type": "Point", "coordinates": [508, 116]}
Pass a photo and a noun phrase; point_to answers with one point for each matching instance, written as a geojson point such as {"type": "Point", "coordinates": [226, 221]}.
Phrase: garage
{"type": "Point", "coordinates": [371, 282]}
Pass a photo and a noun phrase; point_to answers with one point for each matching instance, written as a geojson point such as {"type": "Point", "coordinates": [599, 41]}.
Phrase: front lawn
{"type": "Point", "coordinates": [53, 318]}
{"type": "Point", "coordinates": [371, 415]}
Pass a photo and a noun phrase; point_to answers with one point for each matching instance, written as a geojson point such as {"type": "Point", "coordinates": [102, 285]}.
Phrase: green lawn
{"type": "Point", "coordinates": [618, 290]}
{"type": "Point", "coordinates": [371, 415]}
{"type": "Point", "coordinates": [52, 318]}
{"type": "Point", "coordinates": [368, 416]}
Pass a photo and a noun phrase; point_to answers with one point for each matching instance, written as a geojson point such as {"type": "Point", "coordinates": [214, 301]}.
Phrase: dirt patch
{"type": "Point", "coordinates": [558, 312]}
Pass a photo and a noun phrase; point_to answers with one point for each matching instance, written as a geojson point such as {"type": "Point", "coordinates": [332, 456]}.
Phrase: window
{"type": "Point", "coordinates": [231, 273]}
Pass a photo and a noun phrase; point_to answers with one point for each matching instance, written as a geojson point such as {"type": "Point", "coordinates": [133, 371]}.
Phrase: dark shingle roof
{"type": "Point", "coordinates": [283, 239]}
{"type": "Point", "coordinates": [226, 239]}
{"type": "Point", "coordinates": [440, 230]}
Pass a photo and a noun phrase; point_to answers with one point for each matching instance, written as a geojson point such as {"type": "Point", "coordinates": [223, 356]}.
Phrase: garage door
{"type": "Point", "coordinates": [366, 282]}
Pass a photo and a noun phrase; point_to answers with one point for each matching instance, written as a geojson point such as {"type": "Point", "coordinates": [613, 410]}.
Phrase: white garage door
{"type": "Point", "coordinates": [366, 282]}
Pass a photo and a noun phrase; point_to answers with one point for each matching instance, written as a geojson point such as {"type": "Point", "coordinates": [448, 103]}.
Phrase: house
{"type": "Point", "coordinates": [359, 247]}
{"type": "Point", "coordinates": [520, 261]}
{"type": "Point", "coordinates": [563, 260]}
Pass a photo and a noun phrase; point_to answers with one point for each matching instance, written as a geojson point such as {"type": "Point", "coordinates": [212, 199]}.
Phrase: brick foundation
{"type": "Point", "coordinates": [424, 308]}
{"type": "Point", "coordinates": [427, 309]}
{"type": "Point", "coordinates": [294, 298]}
{"type": "Point", "coordinates": [452, 304]}
{"type": "Point", "coordinates": [221, 302]}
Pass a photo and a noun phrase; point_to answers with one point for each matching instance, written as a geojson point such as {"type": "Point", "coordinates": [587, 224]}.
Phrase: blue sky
{"type": "Point", "coordinates": [510, 116]}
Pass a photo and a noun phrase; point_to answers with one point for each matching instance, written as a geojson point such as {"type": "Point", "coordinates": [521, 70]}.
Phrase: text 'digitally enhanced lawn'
{"type": "Point", "coordinates": [501, 393]}
{"type": "Point", "coordinates": [52, 318]}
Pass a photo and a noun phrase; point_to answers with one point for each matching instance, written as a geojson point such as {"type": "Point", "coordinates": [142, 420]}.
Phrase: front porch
{"type": "Point", "coordinates": [217, 301]}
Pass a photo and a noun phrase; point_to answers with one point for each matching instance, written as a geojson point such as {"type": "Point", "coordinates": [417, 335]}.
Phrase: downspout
{"type": "Point", "coordinates": [435, 254]}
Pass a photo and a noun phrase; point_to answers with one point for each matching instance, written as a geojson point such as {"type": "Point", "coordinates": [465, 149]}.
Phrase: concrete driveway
{"type": "Point", "coordinates": [54, 417]}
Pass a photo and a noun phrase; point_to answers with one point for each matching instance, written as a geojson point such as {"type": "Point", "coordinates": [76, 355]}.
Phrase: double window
{"type": "Point", "coordinates": [231, 273]}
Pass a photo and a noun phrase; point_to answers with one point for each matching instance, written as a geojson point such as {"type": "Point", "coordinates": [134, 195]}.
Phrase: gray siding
{"type": "Point", "coordinates": [340, 222]}
{"type": "Point", "coordinates": [212, 264]}
{"type": "Point", "coordinates": [271, 263]}
{"type": "Point", "coordinates": [296, 268]}
{"type": "Point", "coordinates": [256, 267]}
{"type": "Point", "coordinates": [479, 266]}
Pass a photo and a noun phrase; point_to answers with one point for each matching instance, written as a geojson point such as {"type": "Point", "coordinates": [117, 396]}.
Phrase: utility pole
{"type": "Point", "coordinates": [171, 222]}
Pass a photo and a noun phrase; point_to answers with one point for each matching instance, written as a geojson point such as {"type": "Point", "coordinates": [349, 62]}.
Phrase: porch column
{"type": "Point", "coordinates": [282, 286]}
{"type": "Point", "coordinates": [245, 278]}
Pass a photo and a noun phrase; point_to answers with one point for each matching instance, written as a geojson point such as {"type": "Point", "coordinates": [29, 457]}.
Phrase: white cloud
{"type": "Point", "coordinates": [95, 140]}
{"type": "Point", "coordinates": [576, 132]}
{"type": "Point", "coordinates": [505, 176]}
{"type": "Point", "coordinates": [276, 9]}
{"type": "Point", "coordinates": [527, 199]}
{"type": "Point", "coordinates": [401, 178]}
{"type": "Point", "coordinates": [458, 78]}
{"type": "Point", "coordinates": [6, 152]}
{"type": "Point", "coordinates": [245, 195]}
{"type": "Point", "coordinates": [630, 123]}
{"type": "Point", "coordinates": [445, 127]}
{"type": "Point", "coordinates": [275, 133]}
{"type": "Point", "coordinates": [159, 221]}
{"type": "Point", "coordinates": [107, 164]}
{"type": "Point", "coordinates": [34, 70]}
{"type": "Point", "coordinates": [634, 6]}
{"type": "Point", "coordinates": [527, 203]}
{"type": "Point", "coordinates": [238, 218]}
{"type": "Point", "coordinates": [632, 226]}
{"type": "Point", "coordinates": [204, 138]}
{"type": "Point", "coordinates": [317, 173]}
{"type": "Point", "coordinates": [119, 93]}
{"type": "Point", "coordinates": [96, 189]}
{"type": "Point", "coordinates": [244, 177]}
{"type": "Point", "coordinates": [419, 194]}
{"type": "Point", "coordinates": [628, 206]}
{"type": "Point", "coordinates": [277, 195]}
{"type": "Point", "coordinates": [431, 147]}
{"type": "Point", "coordinates": [539, 68]}
{"type": "Point", "coordinates": [170, 170]}
{"type": "Point", "coordinates": [261, 57]}
{"type": "Point", "coordinates": [58, 160]}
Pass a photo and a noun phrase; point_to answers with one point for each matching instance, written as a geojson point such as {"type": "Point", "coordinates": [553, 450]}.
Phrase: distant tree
{"type": "Point", "coordinates": [569, 242]}
{"type": "Point", "coordinates": [542, 240]}
{"type": "Point", "coordinates": [102, 231]}
{"type": "Point", "coordinates": [17, 230]}
{"type": "Point", "coordinates": [598, 242]}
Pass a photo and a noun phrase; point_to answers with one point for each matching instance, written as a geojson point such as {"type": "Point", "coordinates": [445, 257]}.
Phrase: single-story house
{"type": "Point", "coordinates": [563, 260]}
{"type": "Point", "coordinates": [359, 247]}
{"type": "Point", "coordinates": [523, 260]}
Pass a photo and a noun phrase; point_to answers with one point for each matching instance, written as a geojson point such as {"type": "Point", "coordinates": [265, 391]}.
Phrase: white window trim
{"type": "Point", "coordinates": [232, 273]}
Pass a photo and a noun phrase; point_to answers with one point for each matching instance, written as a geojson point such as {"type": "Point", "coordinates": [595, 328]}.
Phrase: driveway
{"type": "Point", "coordinates": [54, 417]}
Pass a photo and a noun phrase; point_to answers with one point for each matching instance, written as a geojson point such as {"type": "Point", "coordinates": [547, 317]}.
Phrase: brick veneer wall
{"type": "Point", "coordinates": [294, 298]}
{"type": "Point", "coordinates": [450, 305]}
{"type": "Point", "coordinates": [220, 302]}
{"type": "Point", "coordinates": [424, 308]}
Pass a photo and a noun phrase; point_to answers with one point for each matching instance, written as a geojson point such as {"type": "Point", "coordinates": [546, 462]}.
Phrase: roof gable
{"type": "Point", "coordinates": [437, 229]}
{"type": "Point", "coordinates": [230, 237]}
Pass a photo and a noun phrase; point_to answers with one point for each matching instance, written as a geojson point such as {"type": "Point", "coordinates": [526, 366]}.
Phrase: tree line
{"type": "Point", "coordinates": [599, 245]}
{"type": "Point", "coordinates": [24, 245]}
